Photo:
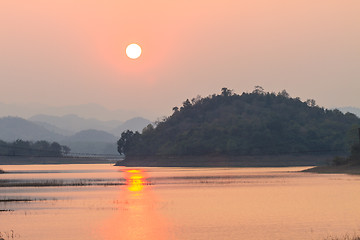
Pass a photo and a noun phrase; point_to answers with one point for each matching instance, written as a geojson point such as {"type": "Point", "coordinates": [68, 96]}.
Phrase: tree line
{"type": "Point", "coordinates": [352, 159]}
{"type": "Point", "coordinates": [34, 149]}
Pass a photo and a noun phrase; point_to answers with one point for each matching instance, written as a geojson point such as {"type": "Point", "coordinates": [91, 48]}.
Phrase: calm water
{"type": "Point", "coordinates": [105, 202]}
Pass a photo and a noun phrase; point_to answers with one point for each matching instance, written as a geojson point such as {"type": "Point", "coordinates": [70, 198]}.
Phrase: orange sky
{"type": "Point", "coordinates": [73, 52]}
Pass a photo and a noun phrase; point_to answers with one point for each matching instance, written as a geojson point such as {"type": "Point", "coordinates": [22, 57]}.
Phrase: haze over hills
{"type": "Point", "coordinates": [90, 110]}
{"type": "Point", "coordinates": [353, 110]}
{"type": "Point", "coordinates": [54, 129]}
{"type": "Point", "coordinates": [137, 124]}
{"type": "Point", "coordinates": [91, 142]}
{"type": "Point", "coordinates": [91, 135]}
{"type": "Point", "coordinates": [13, 128]}
{"type": "Point", "coordinates": [73, 123]}
{"type": "Point", "coordinates": [81, 135]}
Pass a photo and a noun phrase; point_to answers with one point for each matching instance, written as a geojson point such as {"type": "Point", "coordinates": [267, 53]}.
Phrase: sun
{"type": "Point", "coordinates": [133, 51]}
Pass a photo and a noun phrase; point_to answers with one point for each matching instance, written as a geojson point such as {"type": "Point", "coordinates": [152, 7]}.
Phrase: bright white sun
{"type": "Point", "coordinates": [133, 51]}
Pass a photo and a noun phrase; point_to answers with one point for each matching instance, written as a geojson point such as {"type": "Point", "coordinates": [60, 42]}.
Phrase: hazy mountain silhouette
{"type": "Point", "coordinates": [90, 110]}
{"type": "Point", "coordinates": [81, 135]}
{"type": "Point", "coordinates": [91, 135]}
{"type": "Point", "coordinates": [353, 110]}
{"type": "Point", "coordinates": [74, 123]}
{"type": "Point", "coordinates": [13, 128]}
{"type": "Point", "coordinates": [134, 124]}
{"type": "Point", "coordinates": [70, 124]}
{"type": "Point", "coordinates": [92, 142]}
{"type": "Point", "coordinates": [54, 129]}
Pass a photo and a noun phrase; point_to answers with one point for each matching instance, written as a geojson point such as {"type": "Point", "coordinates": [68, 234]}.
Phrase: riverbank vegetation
{"type": "Point", "coordinates": [251, 124]}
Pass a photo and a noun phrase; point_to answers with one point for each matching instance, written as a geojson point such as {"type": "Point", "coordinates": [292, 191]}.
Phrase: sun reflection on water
{"type": "Point", "coordinates": [135, 180]}
{"type": "Point", "coordinates": [138, 215]}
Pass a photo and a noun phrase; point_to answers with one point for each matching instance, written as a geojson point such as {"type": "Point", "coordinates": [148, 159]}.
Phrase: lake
{"type": "Point", "coordinates": [104, 202]}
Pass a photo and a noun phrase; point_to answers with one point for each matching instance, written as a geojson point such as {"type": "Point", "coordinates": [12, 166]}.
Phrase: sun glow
{"type": "Point", "coordinates": [135, 180]}
{"type": "Point", "coordinates": [133, 51]}
{"type": "Point", "coordinates": [136, 214]}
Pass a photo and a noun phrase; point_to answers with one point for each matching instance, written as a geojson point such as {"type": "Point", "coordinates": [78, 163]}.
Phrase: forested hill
{"type": "Point", "coordinates": [257, 123]}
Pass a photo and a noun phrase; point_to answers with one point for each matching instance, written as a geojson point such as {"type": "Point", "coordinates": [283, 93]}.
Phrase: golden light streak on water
{"type": "Point", "coordinates": [135, 180]}
{"type": "Point", "coordinates": [138, 216]}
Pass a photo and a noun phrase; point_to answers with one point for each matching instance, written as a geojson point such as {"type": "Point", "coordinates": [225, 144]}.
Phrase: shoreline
{"type": "Point", "coordinates": [343, 169]}
{"type": "Point", "coordinates": [196, 161]}
{"type": "Point", "coordinates": [224, 161]}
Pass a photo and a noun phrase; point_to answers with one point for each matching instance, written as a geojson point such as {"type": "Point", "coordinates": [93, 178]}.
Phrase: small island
{"type": "Point", "coordinates": [251, 129]}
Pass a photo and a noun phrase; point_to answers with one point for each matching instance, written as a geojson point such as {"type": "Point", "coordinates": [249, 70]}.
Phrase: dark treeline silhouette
{"type": "Point", "coordinates": [355, 154]}
{"type": "Point", "coordinates": [352, 159]}
{"type": "Point", "coordinates": [256, 123]}
{"type": "Point", "coordinates": [36, 149]}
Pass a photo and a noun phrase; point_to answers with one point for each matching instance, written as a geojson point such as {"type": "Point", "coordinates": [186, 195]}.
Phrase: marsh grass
{"type": "Point", "coordinates": [7, 200]}
{"type": "Point", "coordinates": [60, 183]}
{"type": "Point", "coordinates": [346, 237]}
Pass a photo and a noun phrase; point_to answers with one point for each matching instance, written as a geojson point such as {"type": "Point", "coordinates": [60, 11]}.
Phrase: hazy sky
{"type": "Point", "coordinates": [70, 52]}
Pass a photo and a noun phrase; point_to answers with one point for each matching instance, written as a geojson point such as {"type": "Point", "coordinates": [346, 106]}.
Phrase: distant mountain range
{"type": "Point", "coordinates": [90, 110]}
{"type": "Point", "coordinates": [134, 124]}
{"type": "Point", "coordinates": [71, 123]}
{"type": "Point", "coordinates": [13, 128]}
{"type": "Point", "coordinates": [91, 142]}
{"type": "Point", "coordinates": [91, 135]}
{"type": "Point", "coordinates": [82, 135]}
